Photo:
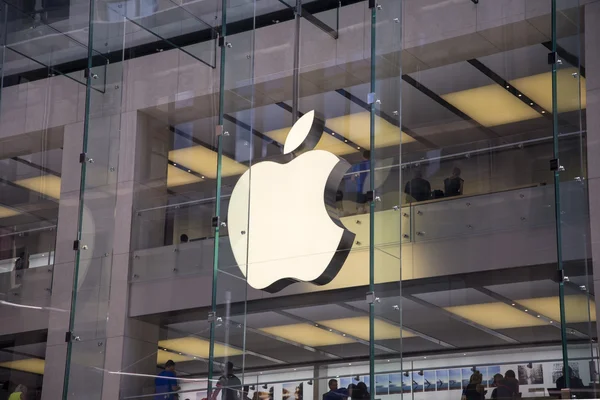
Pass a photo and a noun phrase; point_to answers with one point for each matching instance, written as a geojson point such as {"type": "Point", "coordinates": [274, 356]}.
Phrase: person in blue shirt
{"type": "Point", "coordinates": [335, 393]}
{"type": "Point", "coordinates": [166, 383]}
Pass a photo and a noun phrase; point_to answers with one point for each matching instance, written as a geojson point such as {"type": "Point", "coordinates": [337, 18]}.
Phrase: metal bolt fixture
{"type": "Point", "coordinates": [229, 45]}
{"type": "Point", "coordinates": [468, 155]}
{"type": "Point", "coordinates": [77, 339]}
{"type": "Point", "coordinates": [582, 288]}
{"type": "Point", "coordinates": [248, 56]}
{"type": "Point", "coordinates": [84, 247]}
{"type": "Point", "coordinates": [566, 279]}
{"type": "Point", "coordinates": [522, 196]}
{"type": "Point", "coordinates": [395, 208]}
{"type": "Point", "coordinates": [358, 222]}
{"type": "Point", "coordinates": [358, 243]}
{"type": "Point", "coordinates": [135, 276]}
{"type": "Point", "coordinates": [419, 212]}
{"type": "Point", "coordinates": [395, 113]}
{"type": "Point", "coordinates": [377, 198]}
{"type": "Point", "coordinates": [223, 224]}
{"type": "Point", "coordinates": [100, 344]}
{"type": "Point", "coordinates": [523, 218]}
{"type": "Point", "coordinates": [574, 75]}
{"type": "Point", "coordinates": [175, 270]}
{"type": "Point", "coordinates": [559, 61]}
{"type": "Point", "coordinates": [405, 236]}
{"type": "Point", "coordinates": [468, 204]}
{"type": "Point", "coordinates": [396, 307]}
{"type": "Point", "coordinates": [105, 254]}
{"type": "Point", "coordinates": [175, 250]}
{"type": "Point", "coordinates": [117, 86]}
{"type": "Point", "coordinates": [112, 169]}
{"type": "Point", "coordinates": [377, 101]}
{"type": "Point", "coordinates": [397, 20]}
{"type": "Point", "coordinates": [379, 7]}
{"type": "Point", "coordinates": [226, 133]}
{"type": "Point", "coordinates": [91, 160]}
{"type": "Point", "coordinates": [421, 233]}
{"type": "Point", "coordinates": [94, 76]}
{"type": "Point", "coordinates": [469, 226]}
{"type": "Point", "coordinates": [405, 215]}
{"type": "Point", "coordinates": [243, 232]}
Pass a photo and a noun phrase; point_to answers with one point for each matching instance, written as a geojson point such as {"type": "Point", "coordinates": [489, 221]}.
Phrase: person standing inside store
{"type": "Point", "coordinates": [229, 384]}
{"type": "Point", "coordinates": [418, 188]}
{"type": "Point", "coordinates": [574, 382]}
{"type": "Point", "coordinates": [335, 393]}
{"type": "Point", "coordinates": [453, 186]}
{"type": "Point", "coordinates": [474, 390]}
{"type": "Point", "coordinates": [166, 383]}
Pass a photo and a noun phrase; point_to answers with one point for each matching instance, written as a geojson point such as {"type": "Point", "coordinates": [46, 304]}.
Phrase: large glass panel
{"type": "Point", "coordinates": [575, 276]}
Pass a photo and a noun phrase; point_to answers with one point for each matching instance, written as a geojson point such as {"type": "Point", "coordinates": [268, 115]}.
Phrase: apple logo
{"type": "Point", "coordinates": [282, 221]}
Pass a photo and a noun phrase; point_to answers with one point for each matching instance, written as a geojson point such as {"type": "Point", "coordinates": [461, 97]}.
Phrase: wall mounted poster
{"type": "Point", "coordinates": [442, 379]}
{"type": "Point", "coordinates": [382, 384]}
{"type": "Point", "coordinates": [466, 376]}
{"type": "Point", "coordinates": [484, 376]}
{"type": "Point", "coordinates": [346, 381]}
{"type": "Point", "coordinates": [429, 381]}
{"type": "Point", "coordinates": [530, 374]}
{"type": "Point", "coordinates": [454, 379]}
{"type": "Point", "coordinates": [406, 382]}
{"type": "Point", "coordinates": [292, 391]}
{"type": "Point", "coordinates": [557, 370]}
{"type": "Point", "coordinates": [491, 371]}
{"type": "Point", "coordinates": [417, 381]}
{"type": "Point", "coordinates": [395, 383]}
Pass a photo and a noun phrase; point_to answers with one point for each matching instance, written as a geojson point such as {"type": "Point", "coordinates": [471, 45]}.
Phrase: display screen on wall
{"type": "Point", "coordinates": [455, 379]}
{"type": "Point", "coordinates": [395, 383]}
{"type": "Point", "coordinates": [429, 381]}
{"type": "Point", "coordinates": [442, 379]}
{"type": "Point", "coordinates": [292, 391]}
{"type": "Point", "coordinates": [530, 374]}
{"type": "Point", "coordinates": [491, 371]}
{"type": "Point", "coordinates": [382, 384]}
{"type": "Point", "coordinates": [466, 376]}
{"type": "Point", "coordinates": [417, 381]}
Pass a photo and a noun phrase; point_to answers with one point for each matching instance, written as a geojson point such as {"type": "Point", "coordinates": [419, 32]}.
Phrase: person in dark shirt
{"type": "Point", "coordinates": [453, 186]}
{"type": "Point", "coordinates": [497, 380]}
{"type": "Point", "coordinates": [335, 393]}
{"type": "Point", "coordinates": [574, 383]}
{"type": "Point", "coordinates": [474, 390]}
{"type": "Point", "coordinates": [508, 387]}
{"type": "Point", "coordinates": [418, 188]}
{"type": "Point", "coordinates": [166, 383]}
{"type": "Point", "coordinates": [229, 384]}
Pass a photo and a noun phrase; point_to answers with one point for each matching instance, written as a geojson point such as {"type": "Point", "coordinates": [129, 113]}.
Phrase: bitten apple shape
{"type": "Point", "coordinates": [282, 222]}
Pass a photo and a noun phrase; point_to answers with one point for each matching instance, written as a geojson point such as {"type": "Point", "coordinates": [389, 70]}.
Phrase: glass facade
{"type": "Point", "coordinates": [299, 199]}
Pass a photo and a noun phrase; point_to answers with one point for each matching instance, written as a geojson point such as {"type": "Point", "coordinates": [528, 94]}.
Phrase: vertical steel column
{"type": "Point", "coordinates": [296, 75]}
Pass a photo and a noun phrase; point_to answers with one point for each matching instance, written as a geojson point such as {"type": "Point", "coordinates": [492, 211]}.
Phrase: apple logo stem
{"type": "Point", "coordinates": [283, 222]}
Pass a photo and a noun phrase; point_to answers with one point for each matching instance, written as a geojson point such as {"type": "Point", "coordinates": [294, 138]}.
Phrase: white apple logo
{"type": "Point", "coordinates": [282, 221]}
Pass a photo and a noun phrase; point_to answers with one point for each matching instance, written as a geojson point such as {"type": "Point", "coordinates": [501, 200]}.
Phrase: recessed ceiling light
{"type": "Point", "coordinates": [513, 304]}
{"type": "Point", "coordinates": [530, 104]}
{"type": "Point", "coordinates": [189, 170]}
{"type": "Point", "coordinates": [520, 95]}
{"type": "Point", "coordinates": [526, 310]}
{"type": "Point", "coordinates": [543, 112]}
{"type": "Point", "coordinates": [508, 87]}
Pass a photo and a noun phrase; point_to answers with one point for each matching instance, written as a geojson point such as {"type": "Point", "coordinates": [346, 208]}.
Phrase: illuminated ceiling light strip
{"type": "Point", "coordinates": [508, 87]}
{"type": "Point", "coordinates": [246, 351]}
{"type": "Point", "coordinates": [6, 212]}
{"type": "Point", "coordinates": [528, 311]}
{"type": "Point", "coordinates": [46, 185]}
{"type": "Point", "coordinates": [31, 365]}
{"type": "Point", "coordinates": [441, 101]}
{"type": "Point", "coordinates": [461, 319]}
{"type": "Point", "coordinates": [386, 117]}
{"type": "Point", "coordinates": [290, 342]}
{"type": "Point", "coordinates": [337, 136]}
{"type": "Point", "coordinates": [185, 169]}
{"type": "Point", "coordinates": [337, 332]}
{"type": "Point", "coordinates": [406, 328]}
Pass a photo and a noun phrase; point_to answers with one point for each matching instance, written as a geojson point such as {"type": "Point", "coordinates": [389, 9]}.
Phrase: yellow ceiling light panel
{"type": "Point", "coordinates": [576, 308]}
{"type": "Point", "coordinates": [496, 315]}
{"type": "Point", "coordinates": [491, 105]}
{"type": "Point", "coordinates": [6, 212]}
{"type": "Point", "coordinates": [177, 177]}
{"type": "Point", "coordinates": [359, 327]}
{"type": "Point", "coordinates": [307, 334]}
{"type": "Point", "coordinates": [33, 365]}
{"type": "Point", "coordinates": [197, 347]}
{"type": "Point", "coordinates": [356, 127]}
{"type": "Point", "coordinates": [204, 161]}
{"type": "Point", "coordinates": [539, 89]}
{"type": "Point", "coordinates": [327, 142]}
{"type": "Point", "coordinates": [163, 356]}
{"type": "Point", "coordinates": [48, 185]}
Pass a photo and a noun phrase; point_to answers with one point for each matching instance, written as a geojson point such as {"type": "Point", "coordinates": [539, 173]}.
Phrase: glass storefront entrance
{"type": "Point", "coordinates": [277, 199]}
